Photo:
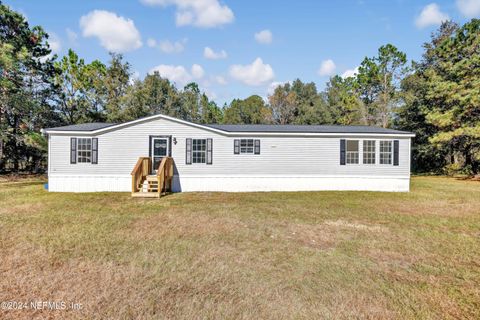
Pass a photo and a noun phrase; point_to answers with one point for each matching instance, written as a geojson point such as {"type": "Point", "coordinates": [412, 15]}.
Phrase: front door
{"type": "Point", "coordinates": [159, 148]}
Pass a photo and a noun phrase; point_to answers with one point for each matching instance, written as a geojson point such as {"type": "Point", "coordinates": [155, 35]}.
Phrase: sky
{"type": "Point", "coordinates": [236, 48]}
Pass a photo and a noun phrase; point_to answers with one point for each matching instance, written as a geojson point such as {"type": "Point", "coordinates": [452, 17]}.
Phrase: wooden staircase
{"type": "Point", "coordinates": [146, 185]}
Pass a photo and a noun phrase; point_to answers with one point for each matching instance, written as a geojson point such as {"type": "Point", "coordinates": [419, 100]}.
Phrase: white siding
{"type": "Point", "coordinates": [297, 156]}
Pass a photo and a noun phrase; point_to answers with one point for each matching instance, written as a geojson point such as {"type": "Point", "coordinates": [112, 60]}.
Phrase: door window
{"type": "Point", "coordinates": [159, 150]}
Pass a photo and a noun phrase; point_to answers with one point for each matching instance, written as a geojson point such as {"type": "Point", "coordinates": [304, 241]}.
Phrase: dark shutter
{"type": "Point", "coordinates": [342, 152]}
{"type": "Point", "coordinates": [169, 146]}
{"type": "Point", "coordinates": [94, 150]}
{"type": "Point", "coordinates": [236, 146]}
{"type": "Point", "coordinates": [395, 152]}
{"type": "Point", "coordinates": [209, 150]}
{"type": "Point", "coordinates": [73, 150]}
{"type": "Point", "coordinates": [257, 146]}
{"type": "Point", "coordinates": [188, 151]}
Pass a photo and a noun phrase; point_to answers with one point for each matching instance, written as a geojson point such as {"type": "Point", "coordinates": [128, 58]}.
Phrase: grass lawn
{"type": "Point", "coordinates": [246, 255]}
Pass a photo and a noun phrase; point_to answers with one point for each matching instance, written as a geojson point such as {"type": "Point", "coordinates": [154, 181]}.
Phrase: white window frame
{"type": "Point", "coordinates": [381, 153]}
{"type": "Point", "coordinates": [369, 152]}
{"type": "Point", "coordinates": [86, 152]}
{"type": "Point", "coordinates": [204, 151]}
{"type": "Point", "coordinates": [247, 149]}
{"type": "Point", "coordinates": [350, 152]}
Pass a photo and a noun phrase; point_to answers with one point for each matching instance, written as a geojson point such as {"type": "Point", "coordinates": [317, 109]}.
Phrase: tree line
{"type": "Point", "coordinates": [437, 98]}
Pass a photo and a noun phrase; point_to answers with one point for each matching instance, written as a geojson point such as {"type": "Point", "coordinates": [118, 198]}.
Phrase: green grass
{"type": "Point", "coordinates": [247, 255]}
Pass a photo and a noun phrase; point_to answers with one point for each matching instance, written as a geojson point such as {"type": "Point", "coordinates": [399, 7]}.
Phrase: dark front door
{"type": "Point", "coordinates": [159, 149]}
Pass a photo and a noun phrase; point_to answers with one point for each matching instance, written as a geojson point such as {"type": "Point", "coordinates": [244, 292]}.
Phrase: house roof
{"type": "Point", "coordinates": [273, 128]}
{"type": "Point", "coordinates": [235, 130]}
{"type": "Point", "coordinates": [83, 127]}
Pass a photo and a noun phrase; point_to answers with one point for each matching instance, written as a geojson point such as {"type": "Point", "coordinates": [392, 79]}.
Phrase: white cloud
{"type": "Point", "coordinates": [431, 15]}
{"type": "Point", "coordinates": [172, 47]}
{"type": "Point", "coordinates": [54, 42]}
{"type": "Point", "coordinates": [327, 68]}
{"type": "Point", "coordinates": [350, 73]}
{"type": "Point", "coordinates": [264, 37]}
{"type": "Point", "coordinates": [55, 46]}
{"type": "Point", "coordinates": [197, 71]}
{"type": "Point", "coordinates": [210, 94]}
{"type": "Point", "coordinates": [469, 8]}
{"type": "Point", "coordinates": [152, 43]}
{"type": "Point", "coordinates": [255, 74]}
{"type": "Point", "coordinates": [199, 13]}
{"type": "Point", "coordinates": [210, 54]}
{"type": "Point", "coordinates": [115, 33]}
{"type": "Point", "coordinates": [72, 36]}
{"type": "Point", "coordinates": [273, 86]}
{"type": "Point", "coordinates": [167, 46]}
{"type": "Point", "coordinates": [220, 80]}
{"type": "Point", "coordinates": [179, 74]}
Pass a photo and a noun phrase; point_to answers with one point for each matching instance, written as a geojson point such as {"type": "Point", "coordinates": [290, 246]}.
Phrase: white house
{"type": "Point", "coordinates": [100, 157]}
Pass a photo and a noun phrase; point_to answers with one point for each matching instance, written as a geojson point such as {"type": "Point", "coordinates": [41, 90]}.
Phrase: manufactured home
{"type": "Point", "coordinates": [152, 155]}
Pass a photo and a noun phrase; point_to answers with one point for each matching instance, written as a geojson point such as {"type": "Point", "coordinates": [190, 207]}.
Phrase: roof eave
{"type": "Point", "coordinates": [223, 132]}
{"type": "Point", "coordinates": [265, 134]}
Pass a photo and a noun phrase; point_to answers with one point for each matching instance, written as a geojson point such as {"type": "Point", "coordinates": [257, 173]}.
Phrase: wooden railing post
{"type": "Point", "coordinates": [140, 172]}
{"type": "Point", "coordinates": [164, 175]}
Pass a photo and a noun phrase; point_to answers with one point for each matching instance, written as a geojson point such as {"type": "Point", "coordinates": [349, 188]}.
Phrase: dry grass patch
{"type": "Point", "coordinates": [181, 224]}
{"type": "Point", "coordinates": [304, 255]}
{"type": "Point", "coordinates": [328, 234]}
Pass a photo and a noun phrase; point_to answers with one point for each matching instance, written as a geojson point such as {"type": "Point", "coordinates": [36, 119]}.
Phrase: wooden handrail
{"type": "Point", "coordinates": [137, 166]}
{"type": "Point", "coordinates": [143, 168]}
{"type": "Point", "coordinates": [140, 172]}
{"type": "Point", "coordinates": [165, 174]}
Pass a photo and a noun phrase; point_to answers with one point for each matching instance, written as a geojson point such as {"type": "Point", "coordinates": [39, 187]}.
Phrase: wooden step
{"type": "Point", "coordinates": [142, 194]}
{"type": "Point", "coordinates": [152, 178]}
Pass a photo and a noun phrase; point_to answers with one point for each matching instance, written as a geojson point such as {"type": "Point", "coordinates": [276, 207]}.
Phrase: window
{"type": "Point", "coordinates": [199, 150]}
{"type": "Point", "coordinates": [246, 146]}
{"type": "Point", "coordinates": [369, 152]}
{"type": "Point", "coordinates": [352, 151]}
{"type": "Point", "coordinates": [84, 150]}
{"type": "Point", "coordinates": [385, 152]}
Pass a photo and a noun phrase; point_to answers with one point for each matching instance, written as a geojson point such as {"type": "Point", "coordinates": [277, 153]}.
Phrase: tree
{"type": "Point", "coordinates": [453, 94]}
{"type": "Point", "coordinates": [345, 105]}
{"type": "Point", "coordinates": [248, 111]}
{"type": "Point", "coordinates": [152, 95]}
{"type": "Point", "coordinates": [211, 113]}
{"type": "Point", "coordinates": [311, 107]}
{"type": "Point", "coordinates": [298, 103]}
{"type": "Point", "coordinates": [391, 64]}
{"type": "Point", "coordinates": [95, 91]}
{"type": "Point", "coordinates": [283, 104]}
{"type": "Point", "coordinates": [26, 72]}
{"type": "Point", "coordinates": [81, 93]}
{"type": "Point", "coordinates": [157, 95]}
{"type": "Point", "coordinates": [117, 82]}
{"type": "Point", "coordinates": [411, 116]}
{"type": "Point", "coordinates": [379, 81]}
{"type": "Point", "coordinates": [190, 102]}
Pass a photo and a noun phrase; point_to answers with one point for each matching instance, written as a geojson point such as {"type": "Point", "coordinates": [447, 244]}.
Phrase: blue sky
{"type": "Point", "coordinates": [254, 44]}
